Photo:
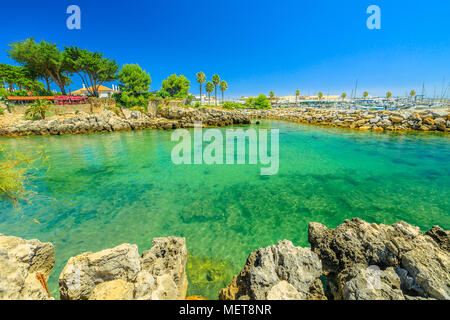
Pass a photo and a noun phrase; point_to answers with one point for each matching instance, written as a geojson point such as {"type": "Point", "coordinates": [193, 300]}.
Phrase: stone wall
{"type": "Point", "coordinates": [57, 109]}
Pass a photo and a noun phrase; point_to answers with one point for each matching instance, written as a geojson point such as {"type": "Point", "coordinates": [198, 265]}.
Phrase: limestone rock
{"type": "Point", "coordinates": [440, 123]}
{"type": "Point", "coordinates": [131, 114]}
{"type": "Point", "coordinates": [400, 246]}
{"type": "Point", "coordinates": [21, 261]}
{"type": "Point", "coordinates": [441, 236]}
{"type": "Point", "coordinates": [270, 270]}
{"type": "Point", "coordinates": [84, 272]}
{"type": "Point", "coordinates": [166, 263]}
{"type": "Point", "coordinates": [113, 290]}
{"type": "Point", "coordinates": [396, 119]}
{"type": "Point", "coordinates": [428, 121]}
{"type": "Point", "coordinates": [125, 119]}
{"type": "Point", "coordinates": [375, 119]}
{"type": "Point", "coordinates": [283, 290]}
{"type": "Point", "coordinates": [121, 273]}
{"type": "Point", "coordinates": [373, 284]}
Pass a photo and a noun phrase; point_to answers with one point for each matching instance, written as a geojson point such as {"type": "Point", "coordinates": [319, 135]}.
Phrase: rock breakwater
{"type": "Point", "coordinates": [424, 120]}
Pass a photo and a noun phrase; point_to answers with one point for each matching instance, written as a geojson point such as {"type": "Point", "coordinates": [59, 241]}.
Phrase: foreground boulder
{"type": "Point", "coordinates": [278, 272]}
{"type": "Point", "coordinates": [121, 273]}
{"type": "Point", "coordinates": [25, 266]}
{"type": "Point", "coordinates": [373, 284]}
{"type": "Point", "coordinates": [348, 253]}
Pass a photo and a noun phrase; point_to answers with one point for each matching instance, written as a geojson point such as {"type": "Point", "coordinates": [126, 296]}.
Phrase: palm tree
{"type": "Point", "coordinates": [209, 88]}
{"type": "Point", "coordinates": [223, 87]}
{"type": "Point", "coordinates": [38, 109]}
{"type": "Point", "coordinates": [320, 96]}
{"type": "Point", "coordinates": [216, 82]}
{"type": "Point", "coordinates": [343, 96]}
{"type": "Point", "coordinates": [297, 94]}
{"type": "Point", "coordinates": [412, 94]}
{"type": "Point", "coordinates": [388, 96]}
{"type": "Point", "coordinates": [201, 78]}
{"type": "Point", "coordinates": [271, 95]}
{"type": "Point", "coordinates": [365, 94]}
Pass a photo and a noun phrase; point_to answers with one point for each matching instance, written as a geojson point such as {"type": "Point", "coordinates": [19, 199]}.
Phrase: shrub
{"type": "Point", "coordinates": [135, 86]}
{"type": "Point", "coordinates": [4, 93]}
{"type": "Point", "coordinates": [261, 102]}
{"type": "Point", "coordinates": [37, 110]}
{"type": "Point", "coordinates": [189, 99]}
{"type": "Point", "coordinates": [16, 170]}
{"type": "Point", "coordinates": [163, 94]}
{"type": "Point", "coordinates": [175, 87]}
{"type": "Point", "coordinates": [232, 105]}
{"type": "Point", "coordinates": [130, 101]}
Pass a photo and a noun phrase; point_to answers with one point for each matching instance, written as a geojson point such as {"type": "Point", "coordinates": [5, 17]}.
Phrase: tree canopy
{"type": "Point", "coordinates": [22, 77]}
{"type": "Point", "coordinates": [44, 59]}
{"type": "Point", "coordinates": [92, 67]}
{"type": "Point", "coordinates": [260, 102]}
{"type": "Point", "coordinates": [223, 87]}
{"type": "Point", "coordinates": [201, 78]}
{"type": "Point", "coordinates": [175, 86]}
{"type": "Point", "coordinates": [134, 85]}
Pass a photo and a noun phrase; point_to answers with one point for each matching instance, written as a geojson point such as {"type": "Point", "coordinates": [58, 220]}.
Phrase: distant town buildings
{"type": "Point", "coordinates": [204, 100]}
{"type": "Point", "coordinates": [294, 99]}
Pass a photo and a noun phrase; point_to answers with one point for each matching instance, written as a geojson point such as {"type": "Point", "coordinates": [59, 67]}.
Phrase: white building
{"type": "Point", "coordinates": [204, 99]}
{"type": "Point", "coordinates": [103, 92]}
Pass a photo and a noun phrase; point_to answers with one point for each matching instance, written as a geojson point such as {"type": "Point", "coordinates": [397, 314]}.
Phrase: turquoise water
{"type": "Point", "coordinates": [102, 190]}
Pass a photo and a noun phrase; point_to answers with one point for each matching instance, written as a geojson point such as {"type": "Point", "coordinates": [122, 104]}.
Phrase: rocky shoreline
{"type": "Point", "coordinates": [166, 118]}
{"type": "Point", "coordinates": [424, 120]}
{"type": "Point", "coordinates": [107, 121]}
{"type": "Point", "coordinates": [355, 261]}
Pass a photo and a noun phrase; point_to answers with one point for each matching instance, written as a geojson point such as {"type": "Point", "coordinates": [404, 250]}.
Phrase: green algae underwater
{"type": "Point", "coordinates": [102, 190]}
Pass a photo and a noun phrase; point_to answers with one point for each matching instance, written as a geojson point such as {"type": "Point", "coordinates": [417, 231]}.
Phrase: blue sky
{"type": "Point", "coordinates": [257, 46]}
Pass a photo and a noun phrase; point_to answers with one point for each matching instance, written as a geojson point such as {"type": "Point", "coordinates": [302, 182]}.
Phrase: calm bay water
{"type": "Point", "coordinates": [102, 190]}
